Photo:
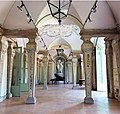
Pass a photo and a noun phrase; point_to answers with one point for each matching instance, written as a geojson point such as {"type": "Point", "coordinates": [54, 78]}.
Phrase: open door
{"type": "Point", "coordinates": [16, 73]}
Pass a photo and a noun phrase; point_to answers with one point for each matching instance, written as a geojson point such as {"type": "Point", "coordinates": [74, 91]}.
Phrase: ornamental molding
{"type": "Point", "coordinates": [59, 31]}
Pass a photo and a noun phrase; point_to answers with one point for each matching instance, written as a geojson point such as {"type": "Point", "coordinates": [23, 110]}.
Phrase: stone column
{"type": "Point", "coordinates": [67, 76]}
{"type": "Point", "coordinates": [10, 56]}
{"type": "Point", "coordinates": [24, 65]}
{"type": "Point", "coordinates": [3, 69]}
{"type": "Point", "coordinates": [79, 69]}
{"type": "Point", "coordinates": [74, 63]}
{"type": "Point", "coordinates": [94, 76]}
{"type": "Point", "coordinates": [45, 67]}
{"type": "Point", "coordinates": [109, 63]}
{"type": "Point", "coordinates": [117, 52]}
{"type": "Point", "coordinates": [40, 71]}
{"type": "Point", "coordinates": [69, 63]}
{"type": "Point", "coordinates": [50, 70]}
{"type": "Point", "coordinates": [31, 48]}
{"type": "Point", "coordinates": [87, 49]}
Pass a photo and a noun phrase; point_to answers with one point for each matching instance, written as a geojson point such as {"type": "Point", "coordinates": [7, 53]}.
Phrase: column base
{"type": "Point", "coordinates": [45, 87]}
{"type": "Point", "coordinates": [74, 86]}
{"type": "Point", "coordinates": [111, 95]}
{"type": "Point", "coordinates": [88, 100]}
{"type": "Point", "coordinates": [31, 100]}
{"type": "Point", "coordinates": [68, 82]}
{"type": "Point", "coordinates": [9, 95]}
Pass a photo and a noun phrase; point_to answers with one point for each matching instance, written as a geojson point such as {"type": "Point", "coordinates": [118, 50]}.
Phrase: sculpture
{"type": "Point", "coordinates": [59, 66]}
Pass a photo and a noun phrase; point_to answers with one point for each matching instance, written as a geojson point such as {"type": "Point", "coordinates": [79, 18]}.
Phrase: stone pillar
{"type": "Point", "coordinates": [40, 71]}
{"type": "Point", "coordinates": [79, 69]}
{"type": "Point", "coordinates": [37, 71]}
{"type": "Point", "coordinates": [69, 71]}
{"type": "Point", "coordinates": [74, 63]}
{"type": "Point", "coordinates": [109, 63]}
{"type": "Point", "coordinates": [45, 69]}
{"type": "Point", "coordinates": [117, 52]}
{"type": "Point", "coordinates": [67, 76]}
{"type": "Point", "coordinates": [31, 48]}
{"type": "Point", "coordinates": [50, 70]}
{"type": "Point", "coordinates": [3, 69]}
{"type": "Point", "coordinates": [10, 56]}
{"type": "Point", "coordinates": [87, 49]}
{"type": "Point", "coordinates": [24, 65]}
{"type": "Point", "coordinates": [94, 76]}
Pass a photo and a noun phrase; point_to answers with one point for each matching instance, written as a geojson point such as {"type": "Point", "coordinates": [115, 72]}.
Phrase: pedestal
{"type": "Point", "coordinates": [88, 100]}
{"type": "Point", "coordinates": [31, 100]}
{"type": "Point", "coordinates": [9, 95]}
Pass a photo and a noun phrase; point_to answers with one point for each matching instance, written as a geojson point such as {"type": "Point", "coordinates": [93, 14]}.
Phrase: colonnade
{"type": "Point", "coordinates": [46, 65]}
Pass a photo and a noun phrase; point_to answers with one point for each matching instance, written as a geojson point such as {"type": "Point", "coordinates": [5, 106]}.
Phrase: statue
{"type": "Point", "coordinates": [59, 66]}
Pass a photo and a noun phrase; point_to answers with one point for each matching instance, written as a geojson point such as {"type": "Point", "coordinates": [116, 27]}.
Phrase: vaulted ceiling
{"type": "Point", "coordinates": [107, 16]}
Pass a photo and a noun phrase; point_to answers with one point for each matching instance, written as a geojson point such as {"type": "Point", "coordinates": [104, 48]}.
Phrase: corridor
{"type": "Point", "coordinates": [60, 99]}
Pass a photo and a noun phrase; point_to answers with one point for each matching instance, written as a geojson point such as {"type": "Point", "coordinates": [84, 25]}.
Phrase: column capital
{"type": "Point", "coordinates": [75, 53]}
{"type": "Point", "coordinates": [9, 43]}
{"type": "Point", "coordinates": [86, 38]}
{"type": "Point", "coordinates": [1, 31]}
{"type": "Point", "coordinates": [87, 46]}
{"type": "Point", "coordinates": [31, 45]}
{"type": "Point", "coordinates": [44, 52]}
{"type": "Point", "coordinates": [112, 37]}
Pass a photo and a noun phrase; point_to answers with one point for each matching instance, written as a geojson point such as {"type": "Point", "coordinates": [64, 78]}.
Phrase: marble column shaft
{"type": "Point", "coordinates": [109, 61]}
{"type": "Point", "coordinates": [40, 71]}
{"type": "Point", "coordinates": [45, 67]}
{"type": "Point", "coordinates": [69, 70]}
{"type": "Point", "coordinates": [50, 70]}
{"type": "Point", "coordinates": [79, 69]}
{"type": "Point", "coordinates": [116, 47]}
{"type": "Point", "coordinates": [24, 66]}
{"type": "Point", "coordinates": [10, 56]}
{"type": "Point", "coordinates": [74, 63]}
{"type": "Point", "coordinates": [94, 76]}
{"type": "Point", "coordinates": [3, 53]}
{"type": "Point", "coordinates": [87, 49]}
{"type": "Point", "coordinates": [31, 48]}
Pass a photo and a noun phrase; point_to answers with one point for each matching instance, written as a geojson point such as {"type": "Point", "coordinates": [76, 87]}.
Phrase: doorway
{"type": "Point", "coordinates": [101, 75]}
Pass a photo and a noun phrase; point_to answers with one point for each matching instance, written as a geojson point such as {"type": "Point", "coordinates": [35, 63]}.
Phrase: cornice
{"type": "Point", "coordinates": [31, 33]}
{"type": "Point", "coordinates": [98, 32]}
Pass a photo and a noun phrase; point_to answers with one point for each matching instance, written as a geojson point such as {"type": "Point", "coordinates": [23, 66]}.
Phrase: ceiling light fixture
{"type": "Point", "coordinates": [59, 9]}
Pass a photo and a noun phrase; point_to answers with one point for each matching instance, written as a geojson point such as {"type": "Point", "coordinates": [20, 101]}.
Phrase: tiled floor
{"type": "Point", "coordinates": [61, 99]}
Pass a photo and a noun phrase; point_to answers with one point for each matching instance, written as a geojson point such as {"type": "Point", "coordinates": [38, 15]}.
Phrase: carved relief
{"type": "Point", "coordinates": [109, 55]}
{"type": "Point", "coordinates": [31, 47]}
{"type": "Point", "coordinates": [10, 56]}
{"type": "Point", "coordinates": [87, 48]}
{"type": "Point", "coordinates": [116, 72]}
{"type": "Point", "coordinates": [59, 31]}
{"type": "Point", "coordinates": [2, 57]}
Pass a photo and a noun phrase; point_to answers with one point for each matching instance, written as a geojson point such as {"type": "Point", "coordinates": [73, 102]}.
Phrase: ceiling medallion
{"type": "Point", "coordinates": [59, 31]}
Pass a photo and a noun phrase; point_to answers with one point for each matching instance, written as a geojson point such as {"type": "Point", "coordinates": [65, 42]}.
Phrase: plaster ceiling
{"type": "Point", "coordinates": [106, 17]}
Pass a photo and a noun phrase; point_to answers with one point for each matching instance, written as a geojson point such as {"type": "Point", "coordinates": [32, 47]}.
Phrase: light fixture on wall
{"type": "Point", "coordinates": [60, 51]}
{"type": "Point", "coordinates": [59, 9]}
